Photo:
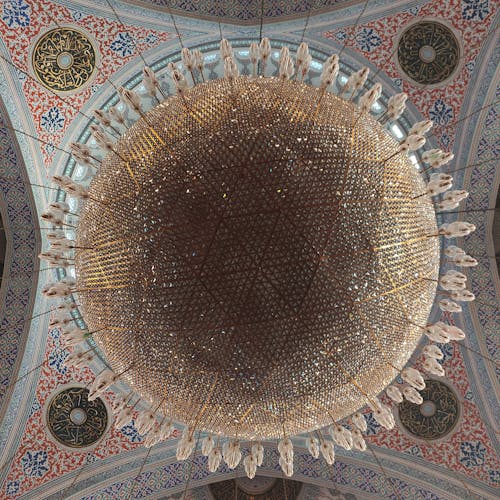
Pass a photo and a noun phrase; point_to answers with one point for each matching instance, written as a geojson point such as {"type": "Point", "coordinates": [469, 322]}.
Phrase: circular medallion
{"type": "Point", "coordinates": [74, 420]}
{"type": "Point", "coordinates": [63, 59]}
{"type": "Point", "coordinates": [428, 52]}
{"type": "Point", "coordinates": [436, 416]}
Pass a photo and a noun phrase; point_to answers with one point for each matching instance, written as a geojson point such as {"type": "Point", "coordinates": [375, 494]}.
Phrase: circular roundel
{"type": "Point", "coordinates": [63, 59]}
{"type": "Point", "coordinates": [436, 416]}
{"type": "Point", "coordinates": [75, 421]}
{"type": "Point", "coordinates": [428, 52]}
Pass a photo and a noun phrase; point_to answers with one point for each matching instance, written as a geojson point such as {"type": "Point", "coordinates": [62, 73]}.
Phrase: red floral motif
{"type": "Point", "coordinates": [18, 42]}
{"type": "Point", "coordinates": [47, 15]}
{"type": "Point", "coordinates": [389, 28]}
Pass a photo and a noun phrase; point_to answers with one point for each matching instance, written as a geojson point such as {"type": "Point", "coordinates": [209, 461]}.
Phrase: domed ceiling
{"type": "Point", "coordinates": [246, 11]}
{"type": "Point", "coordinates": [53, 443]}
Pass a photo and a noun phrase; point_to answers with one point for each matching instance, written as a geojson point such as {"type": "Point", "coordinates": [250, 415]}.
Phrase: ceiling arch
{"type": "Point", "coordinates": [21, 242]}
{"type": "Point", "coordinates": [247, 11]}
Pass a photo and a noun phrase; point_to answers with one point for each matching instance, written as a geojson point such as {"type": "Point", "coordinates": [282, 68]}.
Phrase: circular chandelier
{"type": "Point", "coordinates": [256, 258]}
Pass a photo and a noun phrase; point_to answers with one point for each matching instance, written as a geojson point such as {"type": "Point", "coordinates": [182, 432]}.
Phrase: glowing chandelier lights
{"type": "Point", "coordinates": [256, 258]}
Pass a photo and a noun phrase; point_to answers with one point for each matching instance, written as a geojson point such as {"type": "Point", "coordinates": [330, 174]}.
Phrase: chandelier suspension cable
{"type": "Point", "coordinates": [482, 210]}
{"type": "Point", "coordinates": [45, 143]}
{"type": "Point", "coordinates": [133, 484]}
{"type": "Point", "coordinates": [261, 20]}
{"type": "Point", "coordinates": [136, 46]}
{"type": "Point", "coordinates": [312, 4]}
{"type": "Point", "coordinates": [365, 5]}
{"type": "Point", "coordinates": [111, 6]}
{"type": "Point", "coordinates": [478, 110]}
{"type": "Point", "coordinates": [191, 466]}
{"type": "Point", "coordinates": [486, 358]}
{"type": "Point", "coordinates": [77, 476]}
{"type": "Point", "coordinates": [169, 8]}
{"type": "Point", "coordinates": [472, 165]}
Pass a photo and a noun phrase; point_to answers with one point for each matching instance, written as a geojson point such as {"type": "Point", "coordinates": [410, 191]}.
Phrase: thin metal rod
{"type": "Point", "coordinates": [468, 166]}
{"type": "Point", "coordinates": [191, 465]}
{"type": "Point", "coordinates": [261, 20]}
{"type": "Point", "coordinates": [313, 3]}
{"type": "Point", "coordinates": [487, 358]}
{"type": "Point", "coordinates": [140, 472]}
{"type": "Point", "coordinates": [126, 31]}
{"type": "Point", "coordinates": [169, 8]}
{"type": "Point", "coordinates": [494, 209]}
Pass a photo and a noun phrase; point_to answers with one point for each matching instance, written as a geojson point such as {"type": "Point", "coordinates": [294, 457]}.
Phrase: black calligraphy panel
{"type": "Point", "coordinates": [436, 416]}
{"type": "Point", "coordinates": [74, 420]}
{"type": "Point", "coordinates": [428, 52]}
{"type": "Point", "coordinates": [63, 59]}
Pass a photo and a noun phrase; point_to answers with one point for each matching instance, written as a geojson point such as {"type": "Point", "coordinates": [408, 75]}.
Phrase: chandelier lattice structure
{"type": "Point", "coordinates": [256, 258]}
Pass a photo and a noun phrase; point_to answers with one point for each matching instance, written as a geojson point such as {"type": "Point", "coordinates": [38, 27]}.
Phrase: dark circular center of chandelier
{"type": "Point", "coordinates": [259, 260]}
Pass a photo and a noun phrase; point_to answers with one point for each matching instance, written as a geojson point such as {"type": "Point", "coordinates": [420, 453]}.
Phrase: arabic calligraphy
{"type": "Point", "coordinates": [74, 420]}
{"type": "Point", "coordinates": [64, 59]}
{"type": "Point", "coordinates": [436, 416]}
{"type": "Point", "coordinates": [428, 52]}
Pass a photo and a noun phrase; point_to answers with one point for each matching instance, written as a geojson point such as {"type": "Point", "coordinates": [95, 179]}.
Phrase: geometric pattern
{"type": "Point", "coordinates": [458, 465]}
{"type": "Point", "coordinates": [246, 11]}
{"type": "Point", "coordinates": [18, 217]}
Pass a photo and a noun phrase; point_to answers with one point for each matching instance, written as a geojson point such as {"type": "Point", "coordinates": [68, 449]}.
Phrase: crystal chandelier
{"type": "Point", "coordinates": [256, 258]}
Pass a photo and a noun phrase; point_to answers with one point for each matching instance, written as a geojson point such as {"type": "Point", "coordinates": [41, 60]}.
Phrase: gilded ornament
{"type": "Point", "coordinates": [63, 59]}
{"type": "Point", "coordinates": [436, 416]}
{"type": "Point", "coordinates": [428, 52]}
{"type": "Point", "coordinates": [73, 420]}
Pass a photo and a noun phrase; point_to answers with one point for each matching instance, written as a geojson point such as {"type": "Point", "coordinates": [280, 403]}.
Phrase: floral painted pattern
{"type": "Point", "coordinates": [35, 463]}
{"type": "Point", "coordinates": [56, 360]}
{"type": "Point", "coordinates": [372, 425]}
{"type": "Point", "coordinates": [15, 13]}
{"type": "Point", "coordinates": [475, 10]}
{"type": "Point", "coordinates": [52, 120]}
{"type": "Point", "coordinates": [123, 44]}
{"type": "Point", "coordinates": [12, 487]}
{"type": "Point", "coordinates": [472, 454]}
{"type": "Point", "coordinates": [441, 113]}
{"type": "Point", "coordinates": [368, 39]}
{"type": "Point", "coordinates": [131, 433]}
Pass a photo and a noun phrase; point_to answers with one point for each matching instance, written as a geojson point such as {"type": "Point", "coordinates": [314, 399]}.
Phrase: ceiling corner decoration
{"type": "Point", "coordinates": [73, 420]}
{"type": "Point", "coordinates": [64, 59]}
{"type": "Point", "coordinates": [114, 45]}
{"type": "Point", "coordinates": [428, 52]}
{"type": "Point", "coordinates": [436, 416]}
